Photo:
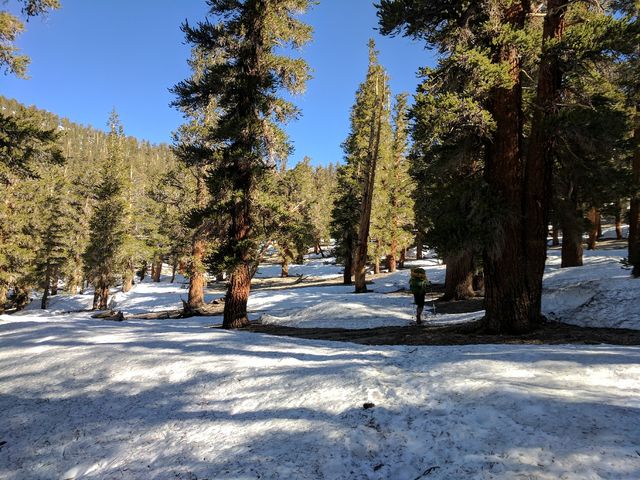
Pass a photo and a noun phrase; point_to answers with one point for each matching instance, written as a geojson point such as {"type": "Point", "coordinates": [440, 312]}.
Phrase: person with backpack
{"type": "Point", "coordinates": [418, 284]}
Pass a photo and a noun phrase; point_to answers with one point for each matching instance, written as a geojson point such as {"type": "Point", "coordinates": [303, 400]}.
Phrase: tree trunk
{"type": "Point", "coordinates": [539, 164]}
{"type": "Point", "coordinates": [392, 264]}
{"type": "Point", "coordinates": [54, 282]}
{"type": "Point", "coordinates": [555, 235]}
{"type": "Point", "coordinates": [634, 213]}
{"type": "Point", "coordinates": [362, 243]}
{"type": "Point", "coordinates": [142, 273]}
{"type": "Point", "coordinates": [127, 278]}
{"type": "Point", "coordinates": [478, 283]}
{"type": "Point", "coordinates": [572, 228]}
{"type": "Point", "coordinates": [174, 269]}
{"type": "Point", "coordinates": [599, 224]}
{"type": "Point", "coordinates": [285, 266]}
{"type": "Point", "coordinates": [619, 221]}
{"type": "Point", "coordinates": [592, 216]}
{"type": "Point", "coordinates": [157, 270]}
{"type": "Point", "coordinates": [96, 297]}
{"type": "Point", "coordinates": [403, 258]}
{"type": "Point", "coordinates": [239, 286]}
{"type": "Point", "coordinates": [21, 295]}
{"type": "Point", "coordinates": [348, 264]}
{"type": "Point", "coordinates": [104, 297]}
{"type": "Point", "coordinates": [45, 293]}
{"type": "Point", "coordinates": [316, 249]}
{"type": "Point", "coordinates": [196, 273]}
{"type": "Point", "coordinates": [507, 299]}
{"type": "Point", "coordinates": [320, 250]}
{"type": "Point", "coordinates": [235, 306]}
{"type": "Point", "coordinates": [3, 297]}
{"type": "Point", "coordinates": [419, 241]}
{"type": "Point", "coordinates": [458, 283]}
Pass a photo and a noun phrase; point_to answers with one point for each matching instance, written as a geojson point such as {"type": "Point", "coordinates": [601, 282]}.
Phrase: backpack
{"type": "Point", "coordinates": [418, 282]}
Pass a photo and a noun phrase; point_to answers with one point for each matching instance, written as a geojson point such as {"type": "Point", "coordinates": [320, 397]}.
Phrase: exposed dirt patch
{"type": "Point", "coordinates": [551, 333]}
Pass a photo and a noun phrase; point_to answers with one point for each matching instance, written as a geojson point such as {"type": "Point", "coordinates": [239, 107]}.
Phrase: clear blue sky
{"type": "Point", "coordinates": [93, 55]}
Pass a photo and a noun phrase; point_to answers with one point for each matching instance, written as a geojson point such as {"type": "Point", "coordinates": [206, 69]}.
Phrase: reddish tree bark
{"type": "Point", "coordinates": [572, 229]}
{"type": "Point", "coordinates": [618, 222]}
{"type": "Point", "coordinates": [239, 286]}
{"type": "Point", "coordinates": [507, 299]}
{"type": "Point", "coordinates": [403, 258]}
{"type": "Point", "coordinates": [285, 267]}
{"type": "Point", "coordinates": [235, 307]}
{"type": "Point", "coordinates": [592, 216]}
{"type": "Point", "coordinates": [458, 283]}
{"type": "Point", "coordinates": [196, 273]}
{"type": "Point", "coordinates": [539, 161]}
{"type": "Point", "coordinates": [157, 270]}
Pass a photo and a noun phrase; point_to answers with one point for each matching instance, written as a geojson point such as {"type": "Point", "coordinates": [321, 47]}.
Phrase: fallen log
{"type": "Point", "coordinates": [115, 316]}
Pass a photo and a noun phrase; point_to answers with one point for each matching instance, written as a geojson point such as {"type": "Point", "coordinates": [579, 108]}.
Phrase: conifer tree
{"type": "Point", "coordinates": [104, 255]}
{"type": "Point", "coordinates": [494, 41]}
{"type": "Point", "coordinates": [292, 203]}
{"type": "Point", "coordinates": [345, 214]}
{"type": "Point", "coordinates": [372, 116]}
{"type": "Point", "coordinates": [245, 84]}
{"type": "Point", "coordinates": [55, 236]}
{"type": "Point", "coordinates": [393, 201]}
{"type": "Point", "coordinates": [11, 61]}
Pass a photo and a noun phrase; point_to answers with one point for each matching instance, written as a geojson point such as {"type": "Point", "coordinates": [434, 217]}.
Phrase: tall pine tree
{"type": "Point", "coordinates": [104, 255]}
{"type": "Point", "coordinates": [245, 84]}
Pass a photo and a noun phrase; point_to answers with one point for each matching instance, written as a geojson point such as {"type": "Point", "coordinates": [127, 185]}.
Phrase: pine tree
{"type": "Point", "coordinates": [54, 253]}
{"type": "Point", "coordinates": [292, 200]}
{"type": "Point", "coordinates": [345, 215]}
{"type": "Point", "coordinates": [393, 202]}
{"type": "Point", "coordinates": [368, 142]}
{"type": "Point", "coordinates": [372, 113]}
{"type": "Point", "coordinates": [104, 255]}
{"type": "Point", "coordinates": [11, 61]}
{"type": "Point", "coordinates": [495, 59]}
{"type": "Point", "coordinates": [245, 84]}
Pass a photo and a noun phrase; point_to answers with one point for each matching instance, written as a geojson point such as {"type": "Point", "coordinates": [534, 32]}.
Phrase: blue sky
{"type": "Point", "coordinates": [91, 56]}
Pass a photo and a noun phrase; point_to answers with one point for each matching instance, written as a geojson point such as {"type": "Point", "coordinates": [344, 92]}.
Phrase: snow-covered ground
{"type": "Point", "coordinates": [599, 294]}
{"type": "Point", "coordinates": [316, 267]}
{"type": "Point", "coordinates": [176, 399]}
{"type": "Point", "coordinates": [164, 400]}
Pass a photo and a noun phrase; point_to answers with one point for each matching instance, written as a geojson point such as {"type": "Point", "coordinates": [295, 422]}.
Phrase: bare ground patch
{"type": "Point", "coordinates": [550, 333]}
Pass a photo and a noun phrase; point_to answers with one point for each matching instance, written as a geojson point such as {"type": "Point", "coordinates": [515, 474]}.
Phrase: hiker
{"type": "Point", "coordinates": [418, 284]}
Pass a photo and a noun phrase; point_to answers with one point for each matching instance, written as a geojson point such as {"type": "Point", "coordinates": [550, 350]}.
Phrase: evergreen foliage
{"type": "Point", "coordinates": [352, 176]}
{"type": "Point", "coordinates": [244, 84]}
{"type": "Point", "coordinates": [105, 255]}
{"type": "Point", "coordinates": [11, 61]}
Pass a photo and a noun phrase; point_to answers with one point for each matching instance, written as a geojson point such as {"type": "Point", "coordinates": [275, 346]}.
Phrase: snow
{"type": "Point", "coordinates": [316, 267]}
{"type": "Point", "coordinates": [91, 399]}
{"type": "Point", "coordinates": [599, 294]}
{"type": "Point", "coordinates": [154, 400]}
